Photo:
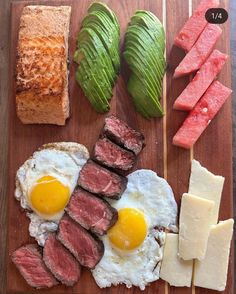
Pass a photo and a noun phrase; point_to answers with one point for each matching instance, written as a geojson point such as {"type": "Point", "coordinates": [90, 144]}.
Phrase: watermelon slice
{"type": "Point", "coordinates": [202, 80]}
{"type": "Point", "coordinates": [201, 115]}
{"type": "Point", "coordinates": [194, 25]}
{"type": "Point", "coordinates": [200, 51]}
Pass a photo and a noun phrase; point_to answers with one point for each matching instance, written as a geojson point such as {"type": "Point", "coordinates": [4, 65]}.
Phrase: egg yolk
{"type": "Point", "coordinates": [49, 196]}
{"type": "Point", "coordinates": [129, 231]}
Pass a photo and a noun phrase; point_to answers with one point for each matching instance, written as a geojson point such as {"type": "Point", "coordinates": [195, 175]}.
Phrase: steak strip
{"type": "Point", "coordinates": [91, 212]}
{"type": "Point", "coordinates": [86, 248]}
{"type": "Point", "coordinates": [60, 261]}
{"type": "Point", "coordinates": [119, 132]}
{"type": "Point", "coordinates": [111, 155]}
{"type": "Point", "coordinates": [29, 261]}
{"type": "Point", "coordinates": [101, 181]}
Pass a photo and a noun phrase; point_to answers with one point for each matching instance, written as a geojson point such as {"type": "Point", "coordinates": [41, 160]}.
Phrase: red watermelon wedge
{"type": "Point", "coordinates": [201, 115]}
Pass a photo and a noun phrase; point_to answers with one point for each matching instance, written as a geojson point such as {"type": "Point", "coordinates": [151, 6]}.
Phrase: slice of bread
{"type": "Point", "coordinates": [41, 71]}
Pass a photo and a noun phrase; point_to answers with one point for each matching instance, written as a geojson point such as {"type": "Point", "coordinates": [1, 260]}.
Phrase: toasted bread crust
{"type": "Point", "coordinates": [41, 71]}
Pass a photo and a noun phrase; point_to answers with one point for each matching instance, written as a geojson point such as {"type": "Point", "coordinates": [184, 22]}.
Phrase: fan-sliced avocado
{"type": "Point", "coordinates": [154, 20]}
{"type": "Point", "coordinates": [104, 21]}
{"type": "Point", "coordinates": [144, 53]}
{"type": "Point", "coordinates": [132, 55]}
{"type": "Point", "coordinates": [98, 6]}
{"type": "Point", "coordinates": [94, 88]}
{"type": "Point", "coordinates": [144, 73]}
{"type": "Point", "coordinates": [155, 62]}
{"type": "Point", "coordinates": [93, 22]}
{"type": "Point", "coordinates": [91, 56]}
{"type": "Point", "coordinates": [97, 55]}
{"type": "Point", "coordinates": [150, 61]}
{"type": "Point", "coordinates": [140, 34]}
{"type": "Point", "coordinates": [152, 17]}
{"type": "Point", "coordinates": [152, 105]}
{"type": "Point", "coordinates": [141, 97]}
{"type": "Point", "coordinates": [88, 36]}
{"type": "Point", "coordinates": [99, 104]}
{"type": "Point", "coordinates": [154, 29]}
{"type": "Point", "coordinates": [88, 73]}
{"type": "Point", "coordinates": [100, 73]}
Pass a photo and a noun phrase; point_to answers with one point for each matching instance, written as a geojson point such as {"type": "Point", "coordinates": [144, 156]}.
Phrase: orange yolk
{"type": "Point", "coordinates": [129, 231]}
{"type": "Point", "coordinates": [49, 195]}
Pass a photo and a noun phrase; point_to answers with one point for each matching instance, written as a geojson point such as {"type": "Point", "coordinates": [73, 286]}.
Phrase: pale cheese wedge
{"type": "Point", "coordinates": [176, 271]}
{"type": "Point", "coordinates": [211, 272]}
{"type": "Point", "coordinates": [194, 226]}
{"type": "Point", "coordinates": [206, 185]}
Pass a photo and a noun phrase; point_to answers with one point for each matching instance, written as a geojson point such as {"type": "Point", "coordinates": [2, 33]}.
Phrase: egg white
{"type": "Point", "coordinates": [137, 269]}
{"type": "Point", "coordinates": [154, 197]}
{"type": "Point", "coordinates": [62, 161]}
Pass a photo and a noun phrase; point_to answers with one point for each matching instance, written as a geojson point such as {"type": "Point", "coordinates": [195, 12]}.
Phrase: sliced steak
{"type": "Point", "coordinates": [60, 261]}
{"type": "Point", "coordinates": [119, 132]}
{"type": "Point", "coordinates": [109, 154]}
{"type": "Point", "coordinates": [101, 181]}
{"type": "Point", "coordinates": [91, 212]}
{"type": "Point", "coordinates": [29, 261]}
{"type": "Point", "coordinates": [86, 248]}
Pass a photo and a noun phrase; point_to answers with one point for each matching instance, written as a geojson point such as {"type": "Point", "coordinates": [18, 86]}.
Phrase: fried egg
{"type": "Point", "coordinates": [45, 182]}
{"type": "Point", "coordinates": [134, 245]}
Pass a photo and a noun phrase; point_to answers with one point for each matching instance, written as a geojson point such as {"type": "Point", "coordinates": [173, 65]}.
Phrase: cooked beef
{"type": "Point", "coordinates": [91, 212]}
{"type": "Point", "coordinates": [86, 248]}
{"type": "Point", "coordinates": [122, 134]}
{"type": "Point", "coordinates": [109, 154]}
{"type": "Point", "coordinates": [60, 261]}
{"type": "Point", "coordinates": [101, 181]}
{"type": "Point", "coordinates": [29, 261]}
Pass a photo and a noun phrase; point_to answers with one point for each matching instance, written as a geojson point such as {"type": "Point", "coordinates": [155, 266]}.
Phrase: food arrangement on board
{"type": "Point", "coordinates": [95, 209]}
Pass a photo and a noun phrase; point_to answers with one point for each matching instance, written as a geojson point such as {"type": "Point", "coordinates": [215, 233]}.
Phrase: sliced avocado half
{"type": "Point", "coordinates": [99, 6]}
{"type": "Point", "coordinates": [107, 37]}
{"type": "Point", "coordinates": [89, 37]}
{"type": "Point", "coordinates": [142, 98]}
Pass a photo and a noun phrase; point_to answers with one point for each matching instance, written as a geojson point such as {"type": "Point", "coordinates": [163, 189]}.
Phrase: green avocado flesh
{"type": "Point", "coordinates": [97, 55]}
{"type": "Point", "coordinates": [144, 53]}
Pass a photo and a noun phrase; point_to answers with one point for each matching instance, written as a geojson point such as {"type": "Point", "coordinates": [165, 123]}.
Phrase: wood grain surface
{"type": "Point", "coordinates": [213, 149]}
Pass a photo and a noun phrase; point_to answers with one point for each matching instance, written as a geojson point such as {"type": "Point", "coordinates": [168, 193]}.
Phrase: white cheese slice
{"type": "Point", "coordinates": [206, 185]}
{"type": "Point", "coordinates": [194, 226]}
{"type": "Point", "coordinates": [176, 271]}
{"type": "Point", "coordinates": [211, 272]}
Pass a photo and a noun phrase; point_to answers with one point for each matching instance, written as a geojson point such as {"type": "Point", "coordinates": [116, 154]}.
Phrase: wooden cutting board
{"type": "Point", "coordinates": [213, 150]}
